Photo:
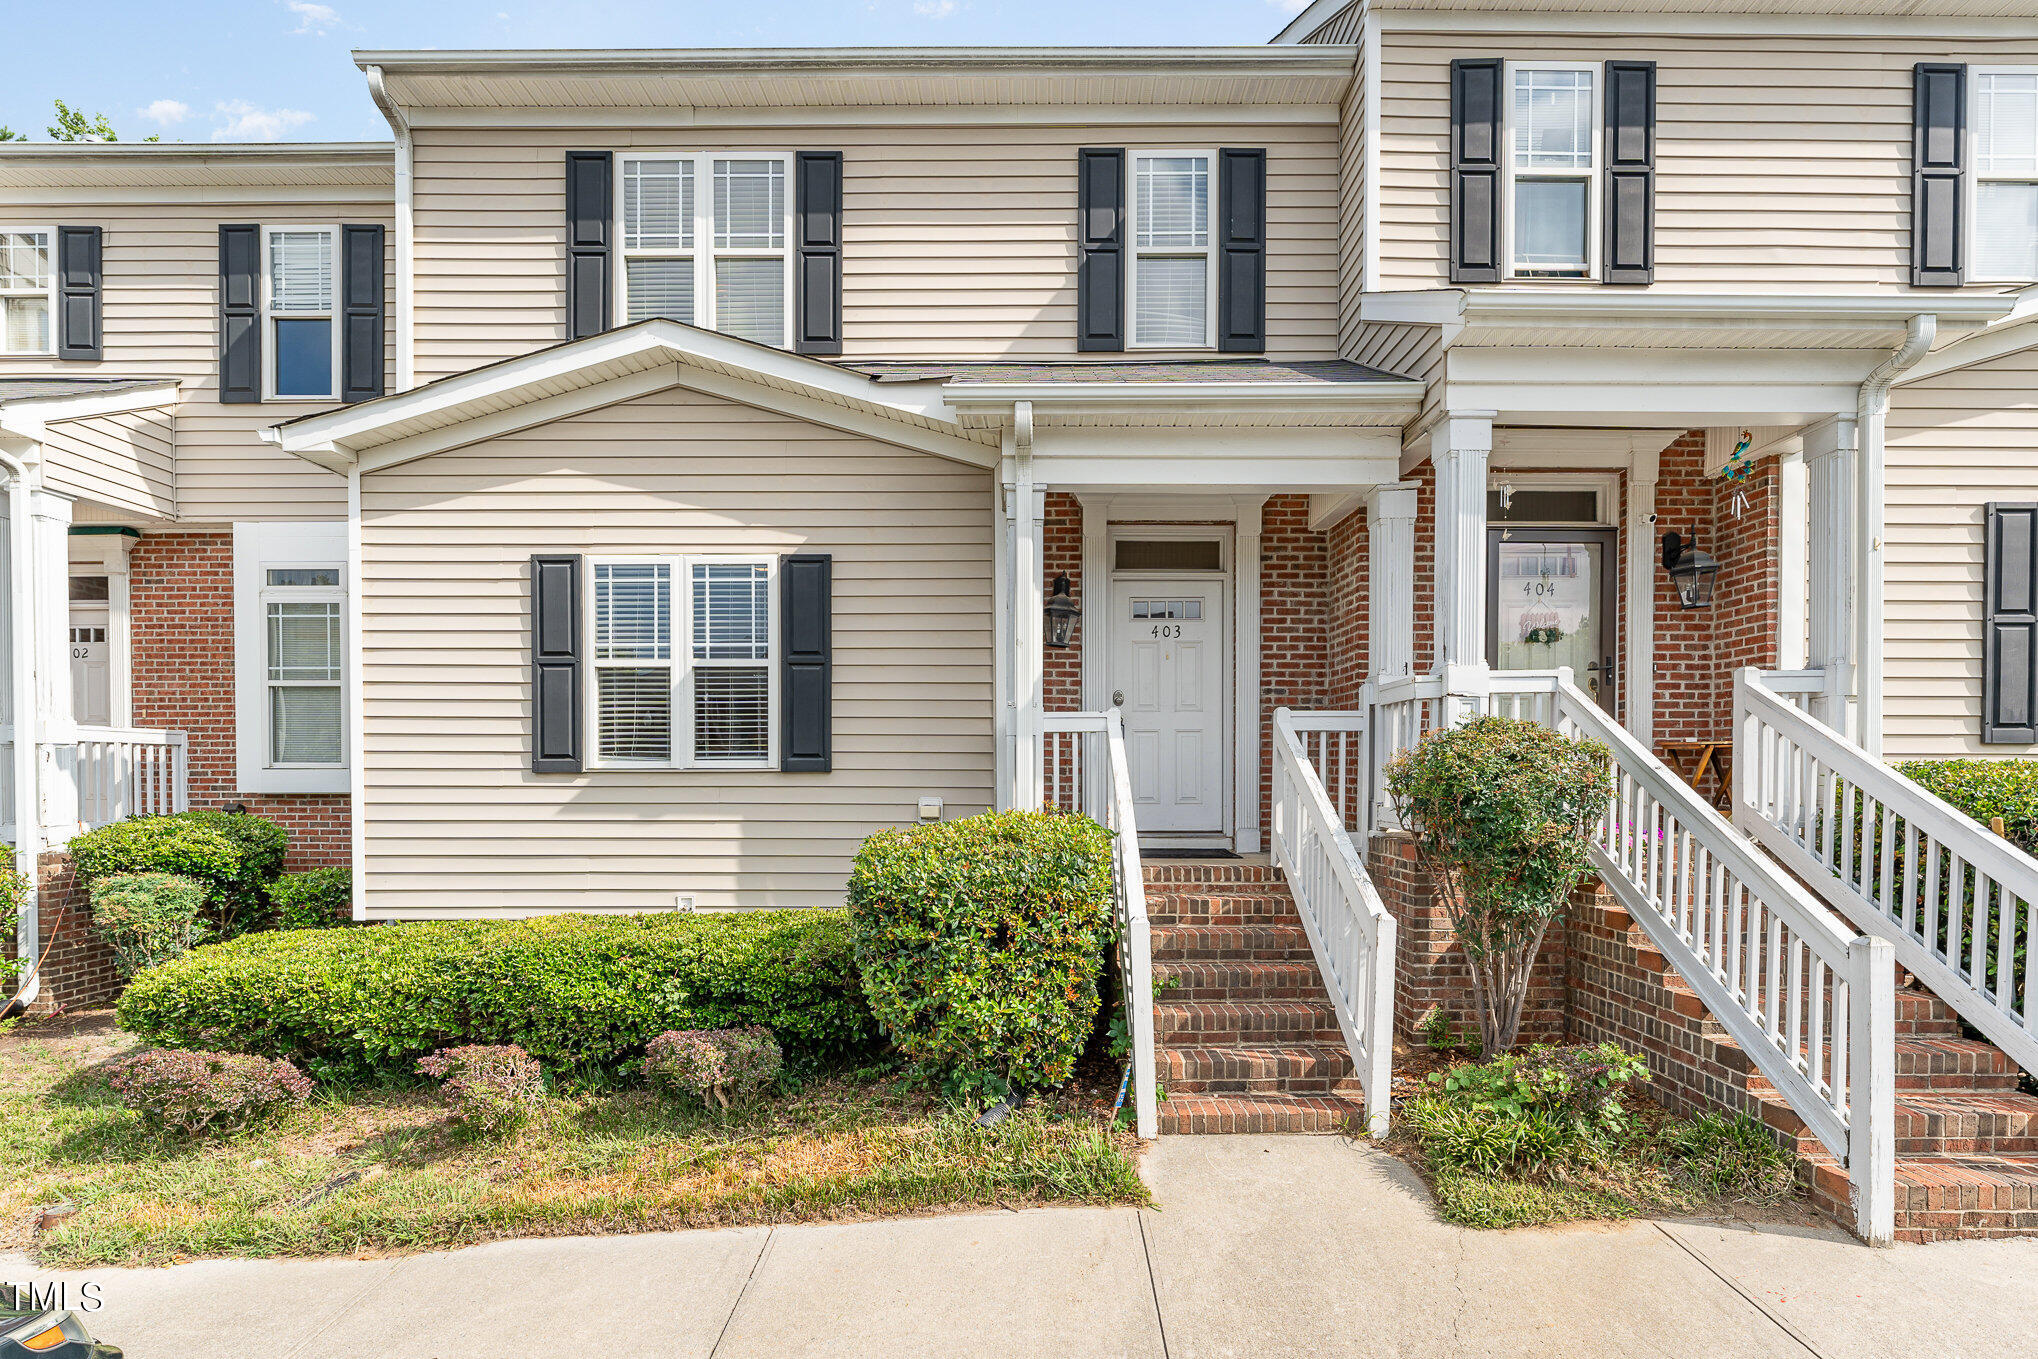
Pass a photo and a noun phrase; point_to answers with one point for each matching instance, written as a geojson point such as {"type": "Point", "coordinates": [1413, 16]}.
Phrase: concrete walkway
{"type": "Point", "coordinates": [1262, 1246]}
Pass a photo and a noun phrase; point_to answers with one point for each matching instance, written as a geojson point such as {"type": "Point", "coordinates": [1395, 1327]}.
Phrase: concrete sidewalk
{"type": "Point", "coordinates": [1262, 1245]}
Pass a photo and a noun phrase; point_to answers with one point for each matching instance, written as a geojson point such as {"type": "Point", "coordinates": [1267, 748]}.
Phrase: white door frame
{"type": "Point", "coordinates": [106, 553]}
{"type": "Point", "coordinates": [1235, 520]}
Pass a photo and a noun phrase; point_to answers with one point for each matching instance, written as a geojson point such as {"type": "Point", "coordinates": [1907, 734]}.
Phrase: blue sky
{"type": "Point", "coordinates": [260, 70]}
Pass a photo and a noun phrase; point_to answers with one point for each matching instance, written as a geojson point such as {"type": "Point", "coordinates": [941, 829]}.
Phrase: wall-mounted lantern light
{"type": "Point", "coordinates": [1062, 614]}
{"type": "Point", "coordinates": [1691, 571]}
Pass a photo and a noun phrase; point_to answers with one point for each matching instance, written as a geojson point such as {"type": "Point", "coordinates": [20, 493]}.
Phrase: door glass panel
{"type": "Point", "coordinates": [1549, 606]}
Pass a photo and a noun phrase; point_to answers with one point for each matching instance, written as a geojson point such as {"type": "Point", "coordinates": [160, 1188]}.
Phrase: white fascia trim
{"type": "Point", "coordinates": [28, 415]}
{"type": "Point", "coordinates": [1543, 307]}
{"type": "Point", "coordinates": [1318, 13]}
{"type": "Point", "coordinates": [859, 60]}
{"type": "Point", "coordinates": [1418, 307]}
{"type": "Point", "coordinates": [1694, 20]}
{"type": "Point", "coordinates": [1386, 395]}
{"type": "Point", "coordinates": [1286, 113]}
{"type": "Point", "coordinates": [328, 438]}
{"type": "Point", "coordinates": [2011, 335]}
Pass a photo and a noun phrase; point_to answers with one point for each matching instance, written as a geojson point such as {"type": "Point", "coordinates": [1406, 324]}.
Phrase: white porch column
{"type": "Point", "coordinates": [1460, 447]}
{"type": "Point", "coordinates": [1829, 453]}
{"type": "Point", "coordinates": [56, 725]}
{"type": "Point", "coordinates": [1390, 580]}
{"type": "Point", "coordinates": [1004, 707]}
{"type": "Point", "coordinates": [1644, 560]}
{"type": "Point", "coordinates": [1791, 549]}
{"type": "Point", "coordinates": [1028, 599]}
{"type": "Point", "coordinates": [1248, 718]}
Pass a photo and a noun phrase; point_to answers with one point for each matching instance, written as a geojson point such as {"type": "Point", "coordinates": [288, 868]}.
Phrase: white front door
{"type": "Point", "coordinates": [1167, 677]}
{"type": "Point", "coordinates": [91, 660]}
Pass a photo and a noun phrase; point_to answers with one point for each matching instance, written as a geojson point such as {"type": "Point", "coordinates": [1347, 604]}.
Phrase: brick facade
{"type": "Point", "coordinates": [181, 601]}
{"type": "Point", "coordinates": [77, 968]}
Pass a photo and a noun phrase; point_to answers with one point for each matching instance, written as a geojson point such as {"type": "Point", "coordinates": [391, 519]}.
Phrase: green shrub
{"type": "Point", "coordinates": [147, 918]}
{"type": "Point", "coordinates": [1730, 1157]}
{"type": "Point", "coordinates": [13, 891]}
{"type": "Point", "coordinates": [725, 1066]}
{"type": "Point", "coordinates": [243, 899]}
{"type": "Point", "coordinates": [1501, 811]}
{"type": "Point", "coordinates": [158, 844]}
{"type": "Point", "coordinates": [1986, 789]}
{"type": "Point", "coordinates": [980, 942]}
{"type": "Point", "coordinates": [572, 990]}
{"type": "Point", "coordinates": [1582, 1085]}
{"type": "Point", "coordinates": [206, 1092]}
{"type": "Point", "coordinates": [1458, 1135]}
{"type": "Point", "coordinates": [492, 1089]}
{"type": "Point", "coordinates": [315, 899]}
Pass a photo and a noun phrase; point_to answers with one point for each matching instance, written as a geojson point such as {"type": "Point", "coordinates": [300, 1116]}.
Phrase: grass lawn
{"type": "Point", "coordinates": [378, 1170]}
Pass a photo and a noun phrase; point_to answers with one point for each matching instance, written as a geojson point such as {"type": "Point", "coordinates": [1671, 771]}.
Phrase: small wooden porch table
{"type": "Point", "coordinates": [1695, 760]}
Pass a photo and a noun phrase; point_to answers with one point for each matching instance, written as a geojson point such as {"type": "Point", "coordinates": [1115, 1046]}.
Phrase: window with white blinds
{"type": "Point", "coordinates": [304, 615]}
{"type": "Point", "coordinates": [299, 280]}
{"type": "Point", "coordinates": [2005, 113]}
{"type": "Point", "coordinates": [706, 240]}
{"type": "Point", "coordinates": [28, 280]}
{"type": "Point", "coordinates": [1553, 169]}
{"type": "Point", "coordinates": [705, 702]}
{"type": "Point", "coordinates": [1173, 283]}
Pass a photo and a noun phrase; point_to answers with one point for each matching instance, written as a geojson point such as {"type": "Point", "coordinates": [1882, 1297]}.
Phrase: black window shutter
{"type": "Point", "coordinates": [1242, 252]}
{"type": "Point", "coordinates": [240, 314]}
{"type": "Point", "coordinates": [806, 663]}
{"type": "Point", "coordinates": [555, 665]}
{"type": "Point", "coordinates": [1100, 249]}
{"type": "Point", "coordinates": [1938, 174]}
{"type": "Point", "coordinates": [360, 312]}
{"type": "Point", "coordinates": [1630, 172]}
{"type": "Point", "coordinates": [1475, 169]}
{"type": "Point", "coordinates": [817, 297]}
{"type": "Point", "coordinates": [79, 276]}
{"type": "Point", "coordinates": [590, 207]}
{"type": "Point", "coordinates": [2009, 644]}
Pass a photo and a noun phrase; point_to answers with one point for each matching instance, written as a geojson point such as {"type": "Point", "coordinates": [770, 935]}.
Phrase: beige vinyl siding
{"type": "Point", "coordinates": [161, 317]}
{"type": "Point", "coordinates": [1955, 442]}
{"type": "Point", "coordinates": [1781, 163]}
{"type": "Point", "coordinates": [1341, 28]}
{"type": "Point", "coordinates": [1351, 214]}
{"type": "Point", "coordinates": [455, 823]}
{"type": "Point", "coordinates": [127, 462]}
{"type": "Point", "coordinates": [958, 242]}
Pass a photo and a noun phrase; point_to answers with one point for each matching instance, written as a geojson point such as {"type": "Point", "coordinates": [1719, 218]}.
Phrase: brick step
{"type": "Point", "coordinates": [1940, 1066]}
{"type": "Point", "coordinates": [1237, 981]}
{"type": "Point", "coordinates": [1986, 1123]}
{"type": "Point", "coordinates": [1955, 1197]}
{"type": "Point", "coordinates": [1208, 1023]}
{"type": "Point", "coordinates": [1217, 1114]}
{"type": "Point", "coordinates": [1208, 872]}
{"type": "Point", "coordinates": [1292, 1069]}
{"type": "Point", "coordinates": [1231, 944]}
{"type": "Point", "coordinates": [1922, 1014]}
{"type": "Point", "coordinates": [1270, 909]}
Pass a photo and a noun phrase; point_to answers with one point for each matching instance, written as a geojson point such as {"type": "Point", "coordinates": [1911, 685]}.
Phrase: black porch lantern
{"type": "Point", "coordinates": [1691, 571]}
{"type": "Point", "coordinates": [1062, 614]}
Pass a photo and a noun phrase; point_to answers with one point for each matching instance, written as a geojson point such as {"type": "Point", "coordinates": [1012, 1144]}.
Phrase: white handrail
{"type": "Point", "coordinates": [1098, 783]}
{"type": "Point", "coordinates": [1812, 1003]}
{"type": "Point", "coordinates": [98, 775]}
{"type": "Point", "coordinates": [1898, 861]}
{"type": "Point", "coordinates": [1349, 929]}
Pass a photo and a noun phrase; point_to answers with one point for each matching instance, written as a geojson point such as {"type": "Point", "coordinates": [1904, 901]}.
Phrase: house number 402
{"type": "Point", "coordinates": [1167, 629]}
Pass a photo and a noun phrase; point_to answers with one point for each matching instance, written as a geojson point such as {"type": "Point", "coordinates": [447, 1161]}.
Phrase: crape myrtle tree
{"type": "Point", "coordinates": [1501, 812]}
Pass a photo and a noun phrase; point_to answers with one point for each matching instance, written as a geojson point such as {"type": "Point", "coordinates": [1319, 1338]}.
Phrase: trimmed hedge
{"type": "Point", "coordinates": [981, 941]}
{"type": "Point", "coordinates": [158, 844]}
{"type": "Point", "coordinates": [1986, 789]}
{"type": "Point", "coordinates": [316, 899]}
{"type": "Point", "coordinates": [572, 990]}
{"type": "Point", "coordinates": [147, 918]}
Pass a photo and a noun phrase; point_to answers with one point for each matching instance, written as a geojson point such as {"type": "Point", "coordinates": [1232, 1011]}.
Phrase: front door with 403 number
{"type": "Point", "coordinates": [1167, 677]}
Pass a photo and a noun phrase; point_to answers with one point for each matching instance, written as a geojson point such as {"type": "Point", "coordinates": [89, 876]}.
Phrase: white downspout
{"type": "Point", "coordinates": [27, 805]}
{"type": "Point", "coordinates": [406, 361]}
{"type": "Point", "coordinates": [1871, 410]}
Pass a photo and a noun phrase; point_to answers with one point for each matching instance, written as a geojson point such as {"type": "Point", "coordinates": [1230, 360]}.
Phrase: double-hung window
{"type": "Point", "coordinates": [1173, 286]}
{"type": "Point", "coordinates": [28, 282]}
{"type": "Point", "coordinates": [706, 240]}
{"type": "Point", "coordinates": [683, 653]}
{"type": "Point", "coordinates": [1552, 170]}
{"type": "Point", "coordinates": [290, 657]}
{"type": "Point", "coordinates": [2005, 114]}
{"type": "Point", "coordinates": [299, 279]}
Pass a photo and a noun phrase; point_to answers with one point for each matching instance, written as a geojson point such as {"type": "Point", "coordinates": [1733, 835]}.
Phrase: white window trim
{"type": "Point", "coordinates": [1972, 193]}
{"type": "Point", "coordinates": [259, 548]}
{"type": "Point", "coordinates": [704, 251]}
{"type": "Point", "coordinates": [48, 233]}
{"type": "Point", "coordinates": [268, 316]}
{"type": "Point", "coordinates": [1133, 251]}
{"type": "Point", "coordinates": [1592, 175]}
{"type": "Point", "coordinates": [683, 664]}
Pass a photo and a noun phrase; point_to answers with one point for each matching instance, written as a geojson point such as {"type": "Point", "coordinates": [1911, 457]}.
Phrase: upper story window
{"type": "Point", "coordinates": [705, 240]}
{"type": "Point", "coordinates": [28, 281]}
{"type": "Point", "coordinates": [298, 284]}
{"type": "Point", "coordinates": [2005, 112]}
{"type": "Point", "coordinates": [1552, 138]}
{"type": "Point", "coordinates": [1173, 286]}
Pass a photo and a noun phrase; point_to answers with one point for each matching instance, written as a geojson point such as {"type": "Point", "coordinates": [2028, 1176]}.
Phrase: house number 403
{"type": "Point", "coordinates": [1167, 629]}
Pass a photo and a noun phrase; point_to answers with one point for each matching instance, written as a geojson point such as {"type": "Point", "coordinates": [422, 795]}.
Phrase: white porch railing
{"type": "Point", "coordinates": [122, 772]}
{"type": "Point", "coordinates": [1349, 929]}
{"type": "Point", "coordinates": [1084, 771]}
{"type": "Point", "coordinates": [1812, 1003]}
{"type": "Point", "coordinates": [1958, 903]}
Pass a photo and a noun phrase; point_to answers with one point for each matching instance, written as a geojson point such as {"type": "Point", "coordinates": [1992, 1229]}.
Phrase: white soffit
{"type": "Point", "coordinates": [117, 165]}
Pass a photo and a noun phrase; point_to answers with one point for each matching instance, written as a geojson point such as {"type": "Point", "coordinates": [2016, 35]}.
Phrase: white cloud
{"type": "Point", "coordinates": [236, 120]}
{"type": "Point", "coordinates": [317, 20]}
{"type": "Point", "coordinates": [934, 9]}
{"type": "Point", "coordinates": [165, 112]}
